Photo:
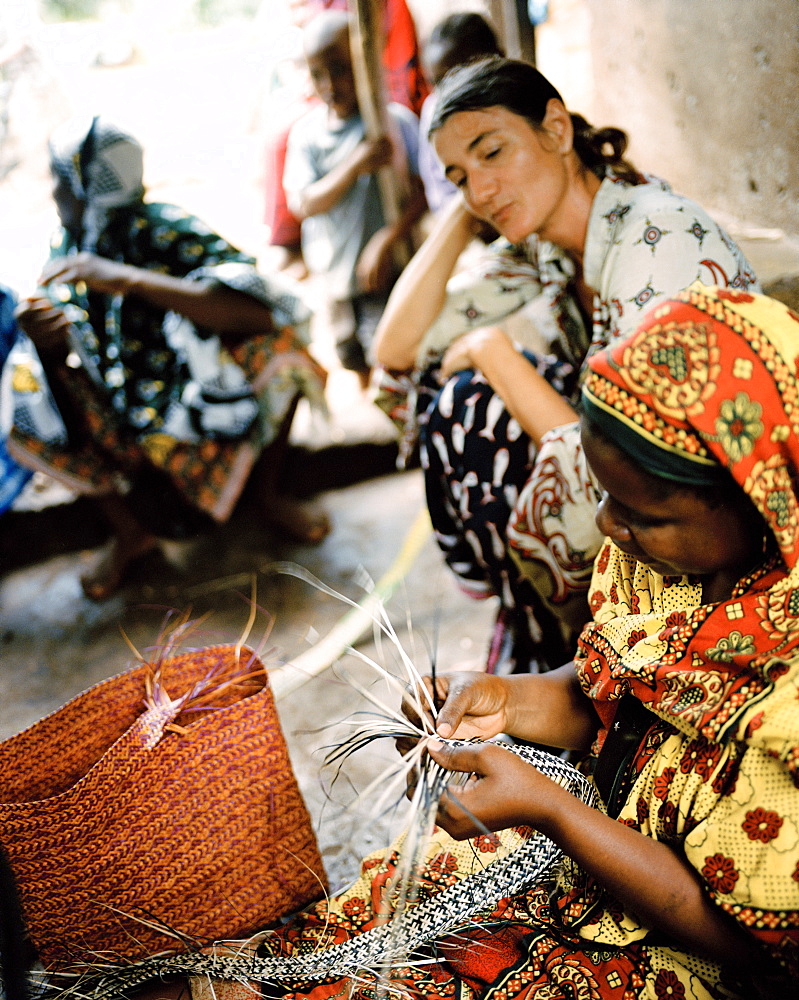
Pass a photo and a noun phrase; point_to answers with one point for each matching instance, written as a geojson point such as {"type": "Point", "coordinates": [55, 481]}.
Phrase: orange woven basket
{"type": "Point", "coordinates": [157, 811]}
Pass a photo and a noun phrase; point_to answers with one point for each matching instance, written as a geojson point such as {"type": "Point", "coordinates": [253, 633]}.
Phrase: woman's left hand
{"type": "Point", "coordinates": [502, 791]}
{"type": "Point", "coordinates": [468, 350]}
{"type": "Point", "coordinates": [98, 273]}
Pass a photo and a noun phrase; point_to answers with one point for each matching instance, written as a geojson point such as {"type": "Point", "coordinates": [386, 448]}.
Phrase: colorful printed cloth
{"type": "Point", "coordinates": [562, 939]}
{"type": "Point", "coordinates": [643, 243]}
{"type": "Point", "coordinates": [152, 393]}
{"type": "Point", "coordinates": [713, 376]}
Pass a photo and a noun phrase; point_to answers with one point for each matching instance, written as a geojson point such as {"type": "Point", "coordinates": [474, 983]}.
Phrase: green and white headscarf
{"type": "Point", "coordinates": [102, 165]}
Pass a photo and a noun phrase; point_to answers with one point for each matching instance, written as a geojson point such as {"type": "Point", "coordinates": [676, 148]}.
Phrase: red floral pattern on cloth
{"type": "Point", "coordinates": [521, 950]}
{"type": "Point", "coordinates": [725, 677]}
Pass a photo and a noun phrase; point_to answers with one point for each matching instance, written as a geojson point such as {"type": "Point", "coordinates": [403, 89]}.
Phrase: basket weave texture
{"type": "Point", "coordinates": [118, 827]}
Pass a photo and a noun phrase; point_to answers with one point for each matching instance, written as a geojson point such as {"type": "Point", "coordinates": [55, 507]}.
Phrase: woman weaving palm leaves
{"type": "Point", "coordinates": [684, 695]}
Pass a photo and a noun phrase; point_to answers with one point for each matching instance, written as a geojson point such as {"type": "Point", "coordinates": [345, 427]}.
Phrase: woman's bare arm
{"type": "Point", "coordinates": [207, 304]}
{"type": "Point", "coordinates": [420, 292]}
{"type": "Point", "coordinates": [527, 395]}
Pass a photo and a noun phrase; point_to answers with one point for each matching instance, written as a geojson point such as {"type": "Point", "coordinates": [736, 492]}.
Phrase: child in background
{"type": "Point", "coordinates": [456, 40]}
{"type": "Point", "coordinates": [331, 185]}
{"type": "Point", "coordinates": [405, 84]}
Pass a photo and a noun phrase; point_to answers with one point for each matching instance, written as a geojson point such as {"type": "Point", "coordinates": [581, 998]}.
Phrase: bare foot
{"type": "Point", "coordinates": [304, 522]}
{"type": "Point", "coordinates": [110, 569]}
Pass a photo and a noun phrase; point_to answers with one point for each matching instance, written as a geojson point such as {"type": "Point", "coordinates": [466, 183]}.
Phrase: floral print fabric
{"type": "Point", "coordinates": [713, 374]}
{"type": "Point", "coordinates": [559, 940]}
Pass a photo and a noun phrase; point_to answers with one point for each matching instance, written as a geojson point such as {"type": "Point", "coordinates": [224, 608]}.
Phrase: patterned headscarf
{"type": "Point", "coordinates": [709, 376]}
{"type": "Point", "coordinates": [102, 165]}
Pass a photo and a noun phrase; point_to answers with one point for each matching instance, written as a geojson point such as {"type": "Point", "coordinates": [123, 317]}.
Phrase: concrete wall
{"type": "Point", "coordinates": [709, 92]}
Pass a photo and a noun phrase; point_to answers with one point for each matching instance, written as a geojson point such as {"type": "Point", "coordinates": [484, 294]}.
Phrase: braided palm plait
{"type": "Point", "coordinates": [380, 948]}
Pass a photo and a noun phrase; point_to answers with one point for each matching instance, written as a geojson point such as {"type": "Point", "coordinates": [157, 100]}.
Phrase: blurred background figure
{"type": "Point", "coordinates": [405, 84]}
{"type": "Point", "coordinates": [331, 184]}
{"type": "Point", "coordinates": [160, 363]}
{"type": "Point", "coordinates": [456, 40]}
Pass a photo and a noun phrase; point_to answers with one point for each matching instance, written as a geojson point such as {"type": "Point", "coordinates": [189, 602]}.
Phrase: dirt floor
{"type": "Point", "coordinates": [55, 643]}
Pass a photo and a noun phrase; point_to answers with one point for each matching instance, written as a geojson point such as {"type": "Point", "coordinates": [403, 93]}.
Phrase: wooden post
{"type": "Point", "coordinates": [514, 27]}
{"type": "Point", "coordinates": [367, 40]}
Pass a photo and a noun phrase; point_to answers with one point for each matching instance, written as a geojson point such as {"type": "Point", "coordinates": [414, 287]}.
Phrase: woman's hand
{"type": "Point", "coordinates": [472, 705]}
{"type": "Point", "coordinates": [468, 349]}
{"type": "Point", "coordinates": [502, 790]}
{"type": "Point", "coordinates": [45, 324]}
{"type": "Point", "coordinates": [527, 395]}
{"type": "Point", "coordinates": [98, 273]}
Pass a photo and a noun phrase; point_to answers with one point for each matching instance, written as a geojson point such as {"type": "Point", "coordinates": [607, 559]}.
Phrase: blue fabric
{"type": "Point", "coordinates": [13, 477]}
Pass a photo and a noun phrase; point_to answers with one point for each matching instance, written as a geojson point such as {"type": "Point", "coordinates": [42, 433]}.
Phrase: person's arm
{"type": "Point", "coordinates": [206, 303]}
{"type": "Point", "coordinates": [420, 291]}
{"type": "Point", "coordinates": [649, 877]}
{"type": "Point", "coordinates": [322, 194]}
{"type": "Point", "coordinates": [527, 396]}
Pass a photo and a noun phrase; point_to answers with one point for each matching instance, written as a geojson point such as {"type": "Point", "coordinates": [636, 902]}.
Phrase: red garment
{"type": "Point", "coordinates": [284, 226]}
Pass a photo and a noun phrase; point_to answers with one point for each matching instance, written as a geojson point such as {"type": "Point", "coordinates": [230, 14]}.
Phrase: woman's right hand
{"type": "Point", "coordinates": [471, 704]}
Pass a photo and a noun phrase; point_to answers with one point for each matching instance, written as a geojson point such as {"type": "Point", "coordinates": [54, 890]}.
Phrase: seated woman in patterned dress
{"type": "Point", "coordinates": [683, 696]}
{"type": "Point", "coordinates": [508, 489]}
{"type": "Point", "coordinates": [162, 368]}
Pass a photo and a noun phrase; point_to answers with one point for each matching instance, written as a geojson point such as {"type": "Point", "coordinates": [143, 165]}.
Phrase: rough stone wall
{"type": "Point", "coordinates": [709, 92]}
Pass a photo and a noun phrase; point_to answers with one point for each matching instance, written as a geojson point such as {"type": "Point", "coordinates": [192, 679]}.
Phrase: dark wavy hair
{"type": "Point", "coordinates": [523, 90]}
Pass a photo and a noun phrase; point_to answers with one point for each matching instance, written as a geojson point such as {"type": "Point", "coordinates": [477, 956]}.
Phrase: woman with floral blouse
{"type": "Point", "coordinates": [509, 492]}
